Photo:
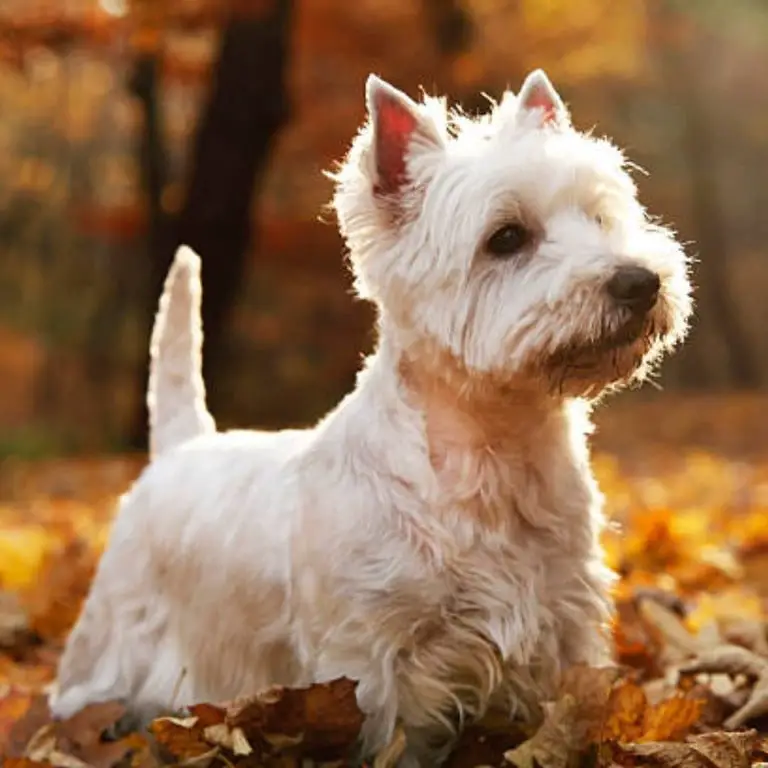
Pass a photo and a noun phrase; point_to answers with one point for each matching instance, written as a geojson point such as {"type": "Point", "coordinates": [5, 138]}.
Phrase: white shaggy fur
{"type": "Point", "coordinates": [176, 396]}
{"type": "Point", "coordinates": [435, 536]}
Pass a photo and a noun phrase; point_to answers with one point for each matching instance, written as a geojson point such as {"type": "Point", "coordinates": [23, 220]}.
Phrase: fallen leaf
{"type": "Point", "coordinates": [14, 621]}
{"type": "Point", "coordinates": [625, 711]}
{"type": "Point", "coordinates": [749, 633]}
{"type": "Point", "coordinates": [671, 719]}
{"type": "Point", "coordinates": [208, 714]}
{"type": "Point", "coordinates": [677, 642]}
{"type": "Point", "coordinates": [84, 728]}
{"type": "Point", "coordinates": [553, 745]}
{"type": "Point", "coordinates": [735, 660]}
{"type": "Point", "coordinates": [23, 762]}
{"type": "Point", "coordinates": [326, 716]}
{"type": "Point", "coordinates": [632, 718]}
{"type": "Point", "coordinates": [182, 739]}
{"type": "Point", "coordinates": [233, 739]}
{"type": "Point", "coordinates": [720, 749]}
{"type": "Point", "coordinates": [54, 600]}
{"type": "Point", "coordinates": [36, 716]}
{"type": "Point", "coordinates": [13, 706]}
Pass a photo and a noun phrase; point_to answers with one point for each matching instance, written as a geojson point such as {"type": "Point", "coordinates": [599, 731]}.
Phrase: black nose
{"type": "Point", "coordinates": [636, 288]}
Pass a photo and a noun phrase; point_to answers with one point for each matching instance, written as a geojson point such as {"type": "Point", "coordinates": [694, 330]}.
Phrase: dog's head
{"type": "Point", "coordinates": [512, 242]}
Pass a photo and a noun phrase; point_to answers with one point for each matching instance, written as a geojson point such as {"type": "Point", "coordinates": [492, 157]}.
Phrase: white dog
{"type": "Point", "coordinates": [436, 536]}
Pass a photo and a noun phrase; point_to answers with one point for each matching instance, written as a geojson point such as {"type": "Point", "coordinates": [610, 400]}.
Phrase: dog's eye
{"type": "Point", "coordinates": [508, 240]}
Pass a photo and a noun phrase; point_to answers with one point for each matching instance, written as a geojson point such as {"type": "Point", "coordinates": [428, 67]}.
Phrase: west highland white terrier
{"type": "Point", "coordinates": [436, 536]}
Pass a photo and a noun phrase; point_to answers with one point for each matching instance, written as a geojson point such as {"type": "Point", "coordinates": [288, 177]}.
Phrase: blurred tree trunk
{"type": "Point", "coordinates": [450, 24]}
{"type": "Point", "coordinates": [247, 106]}
{"type": "Point", "coordinates": [699, 149]}
{"type": "Point", "coordinates": [453, 30]}
{"type": "Point", "coordinates": [144, 84]}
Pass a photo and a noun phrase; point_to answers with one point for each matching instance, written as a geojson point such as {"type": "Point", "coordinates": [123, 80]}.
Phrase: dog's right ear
{"type": "Point", "coordinates": [400, 129]}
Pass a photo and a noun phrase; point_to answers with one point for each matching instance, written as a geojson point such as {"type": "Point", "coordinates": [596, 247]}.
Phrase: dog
{"type": "Point", "coordinates": [436, 536]}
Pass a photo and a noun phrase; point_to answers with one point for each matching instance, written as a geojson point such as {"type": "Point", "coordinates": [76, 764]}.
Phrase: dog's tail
{"type": "Point", "coordinates": [176, 393]}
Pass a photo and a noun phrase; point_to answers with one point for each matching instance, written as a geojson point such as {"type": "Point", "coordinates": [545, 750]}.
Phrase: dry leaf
{"type": "Point", "coordinates": [728, 659]}
{"type": "Point", "coordinates": [14, 705]}
{"type": "Point", "coordinates": [80, 735]}
{"type": "Point", "coordinates": [721, 750]}
{"type": "Point", "coordinates": [553, 745]}
{"type": "Point", "coordinates": [181, 738]}
{"type": "Point", "coordinates": [735, 660]}
{"type": "Point", "coordinates": [671, 719]}
{"type": "Point", "coordinates": [749, 633]}
{"type": "Point", "coordinates": [77, 742]}
{"type": "Point", "coordinates": [570, 724]}
{"type": "Point", "coordinates": [36, 717]}
{"type": "Point", "coordinates": [625, 712]}
{"type": "Point", "coordinates": [687, 547]}
{"type": "Point", "coordinates": [14, 622]}
{"type": "Point", "coordinates": [23, 762]}
{"type": "Point", "coordinates": [591, 687]}
{"type": "Point", "coordinates": [325, 716]}
{"type": "Point", "coordinates": [233, 739]}
{"type": "Point", "coordinates": [678, 642]}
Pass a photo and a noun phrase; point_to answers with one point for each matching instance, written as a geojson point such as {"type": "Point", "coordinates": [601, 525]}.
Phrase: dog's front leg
{"type": "Point", "coordinates": [583, 611]}
{"type": "Point", "coordinates": [440, 687]}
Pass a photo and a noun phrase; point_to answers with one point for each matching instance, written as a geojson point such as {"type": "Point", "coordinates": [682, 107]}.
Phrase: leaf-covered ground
{"type": "Point", "coordinates": [690, 542]}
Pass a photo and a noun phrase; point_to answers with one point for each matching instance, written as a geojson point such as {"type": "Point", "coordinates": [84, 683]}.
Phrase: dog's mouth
{"type": "Point", "coordinates": [629, 334]}
{"type": "Point", "coordinates": [614, 356]}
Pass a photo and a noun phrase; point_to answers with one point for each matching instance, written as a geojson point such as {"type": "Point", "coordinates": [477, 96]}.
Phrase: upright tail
{"type": "Point", "coordinates": [176, 394]}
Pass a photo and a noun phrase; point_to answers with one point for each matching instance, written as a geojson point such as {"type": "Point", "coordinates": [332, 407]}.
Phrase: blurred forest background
{"type": "Point", "coordinates": [127, 126]}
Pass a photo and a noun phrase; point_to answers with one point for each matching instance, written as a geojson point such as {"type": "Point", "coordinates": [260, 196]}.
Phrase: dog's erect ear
{"type": "Point", "coordinates": [399, 128]}
{"type": "Point", "coordinates": [538, 92]}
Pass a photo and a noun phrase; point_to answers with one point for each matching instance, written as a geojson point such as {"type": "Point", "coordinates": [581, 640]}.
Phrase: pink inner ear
{"type": "Point", "coordinates": [395, 125]}
{"type": "Point", "coordinates": [540, 98]}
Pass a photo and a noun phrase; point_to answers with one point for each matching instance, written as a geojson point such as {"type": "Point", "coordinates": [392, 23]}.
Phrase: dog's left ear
{"type": "Point", "coordinates": [538, 93]}
{"type": "Point", "coordinates": [400, 130]}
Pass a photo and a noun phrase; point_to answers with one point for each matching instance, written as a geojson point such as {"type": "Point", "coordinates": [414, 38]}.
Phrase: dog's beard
{"type": "Point", "coordinates": [619, 355]}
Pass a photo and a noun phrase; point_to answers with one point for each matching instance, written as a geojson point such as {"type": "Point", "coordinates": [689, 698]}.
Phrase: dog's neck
{"type": "Point", "coordinates": [469, 411]}
{"type": "Point", "coordinates": [463, 412]}
{"type": "Point", "coordinates": [490, 444]}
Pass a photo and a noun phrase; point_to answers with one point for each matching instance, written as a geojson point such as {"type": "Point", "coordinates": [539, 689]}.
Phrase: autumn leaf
{"type": "Point", "coordinates": [76, 742]}
{"type": "Point", "coordinates": [570, 723]}
{"type": "Point", "coordinates": [694, 638]}
{"type": "Point", "coordinates": [671, 719]}
{"type": "Point", "coordinates": [632, 718]}
{"type": "Point", "coordinates": [14, 704]}
{"type": "Point", "coordinates": [721, 750]}
{"type": "Point", "coordinates": [181, 738]}
{"type": "Point", "coordinates": [323, 719]}
{"type": "Point", "coordinates": [553, 745]}
{"type": "Point", "coordinates": [14, 622]}
{"type": "Point", "coordinates": [677, 643]}
{"type": "Point", "coordinates": [54, 601]}
{"type": "Point", "coordinates": [24, 762]}
{"type": "Point", "coordinates": [626, 710]}
{"type": "Point", "coordinates": [734, 660]}
{"type": "Point", "coordinates": [34, 718]}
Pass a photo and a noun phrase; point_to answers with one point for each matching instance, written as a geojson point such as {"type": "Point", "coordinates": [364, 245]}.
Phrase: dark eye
{"type": "Point", "coordinates": [508, 240]}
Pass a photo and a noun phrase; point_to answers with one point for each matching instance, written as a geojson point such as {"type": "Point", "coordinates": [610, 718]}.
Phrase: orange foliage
{"type": "Point", "coordinates": [693, 599]}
